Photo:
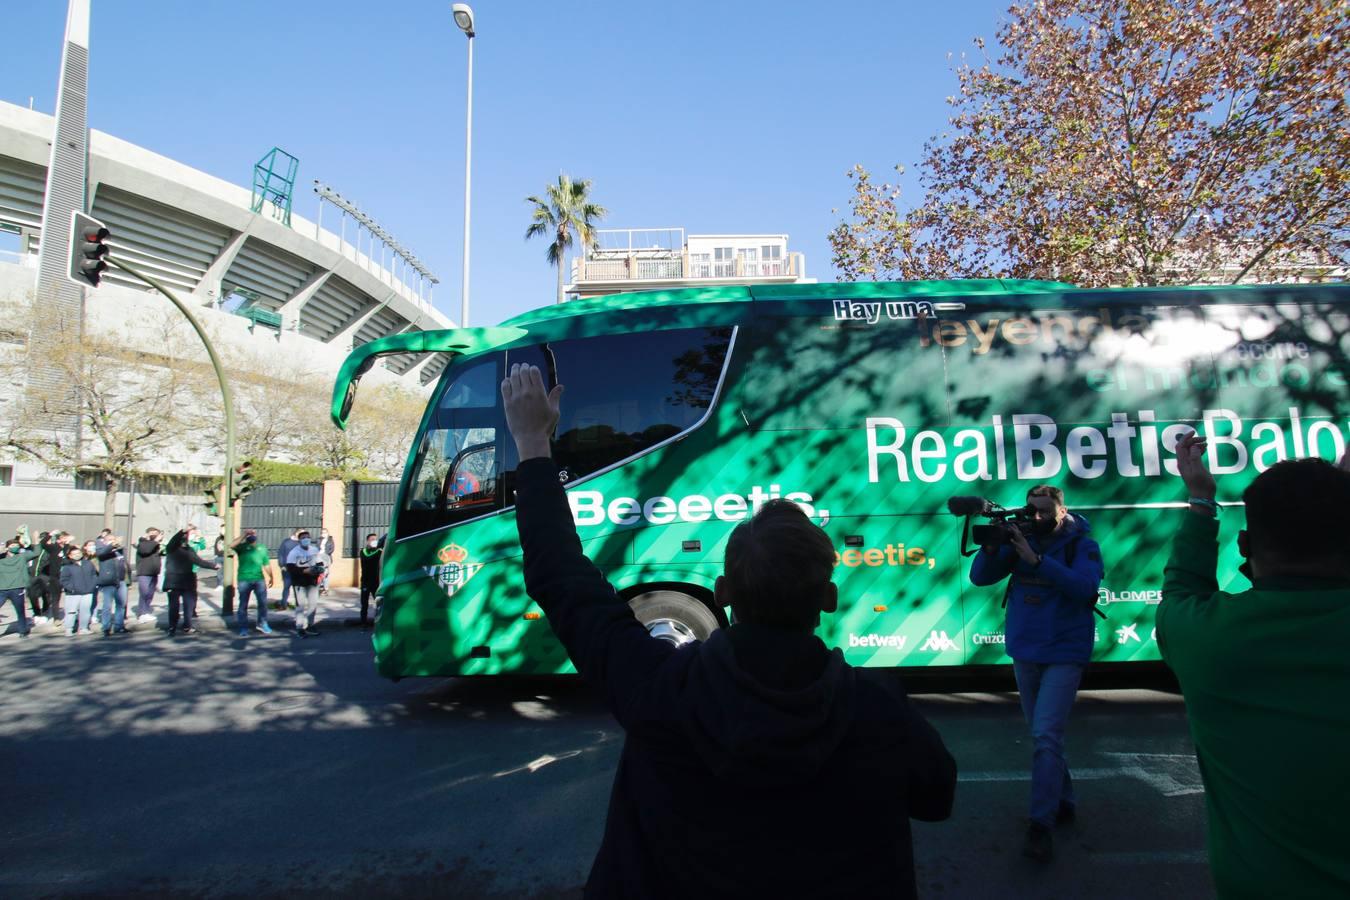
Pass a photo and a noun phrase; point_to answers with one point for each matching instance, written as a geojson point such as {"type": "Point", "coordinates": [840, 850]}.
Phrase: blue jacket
{"type": "Point", "coordinates": [1050, 606]}
{"type": "Point", "coordinates": [79, 577]}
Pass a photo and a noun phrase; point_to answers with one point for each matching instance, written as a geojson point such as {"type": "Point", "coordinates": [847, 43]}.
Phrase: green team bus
{"type": "Point", "coordinates": [869, 405]}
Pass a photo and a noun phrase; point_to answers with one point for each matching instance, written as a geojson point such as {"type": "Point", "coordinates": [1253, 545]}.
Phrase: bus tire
{"type": "Point", "coordinates": [674, 617]}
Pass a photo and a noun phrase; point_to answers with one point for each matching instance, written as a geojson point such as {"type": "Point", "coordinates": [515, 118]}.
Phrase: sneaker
{"type": "Point", "coordinates": [264, 628]}
{"type": "Point", "coordinates": [1067, 814]}
{"type": "Point", "coordinates": [120, 631]}
{"type": "Point", "coordinates": [188, 629]}
{"type": "Point", "coordinates": [1038, 845]}
{"type": "Point", "coordinates": [300, 632]}
{"type": "Point", "coordinates": [42, 620]}
{"type": "Point", "coordinates": [243, 632]}
{"type": "Point", "coordinates": [172, 632]}
{"type": "Point", "coordinates": [147, 617]}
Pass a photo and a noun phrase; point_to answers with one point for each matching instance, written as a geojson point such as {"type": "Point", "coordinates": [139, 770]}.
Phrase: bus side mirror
{"type": "Point", "coordinates": [349, 399]}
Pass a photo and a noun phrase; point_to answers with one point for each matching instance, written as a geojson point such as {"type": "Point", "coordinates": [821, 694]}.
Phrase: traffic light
{"type": "Point", "coordinates": [213, 500]}
{"type": "Point", "coordinates": [241, 481]}
{"type": "Point", "coordinates": [87, 249]}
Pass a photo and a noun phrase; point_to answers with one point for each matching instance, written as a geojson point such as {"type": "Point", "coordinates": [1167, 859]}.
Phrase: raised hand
{"type": "Point", "coordinates": [1191, 467]}
{"type": "Point", "coordinates": [531, 412]}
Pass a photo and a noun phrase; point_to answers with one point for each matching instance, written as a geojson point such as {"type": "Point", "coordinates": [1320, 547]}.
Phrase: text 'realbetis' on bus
{"type": "Point", "coordinates": [868, 405]}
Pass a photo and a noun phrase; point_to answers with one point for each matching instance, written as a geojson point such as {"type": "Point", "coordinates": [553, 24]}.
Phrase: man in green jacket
{"type": "Point", "coordinates": [1266, 676]}
{"type": "Point", "coordinates": [14, 578]}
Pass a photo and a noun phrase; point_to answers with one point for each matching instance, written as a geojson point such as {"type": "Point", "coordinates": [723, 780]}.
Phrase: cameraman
{"type": "Point", "coordinates": [1053, 570]}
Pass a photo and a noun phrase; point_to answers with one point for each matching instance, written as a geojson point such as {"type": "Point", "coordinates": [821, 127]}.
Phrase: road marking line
{"type": "Point", "coordinates": [1152, 856]}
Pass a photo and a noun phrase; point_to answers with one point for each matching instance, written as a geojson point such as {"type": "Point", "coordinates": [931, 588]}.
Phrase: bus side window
{"type": "Point", "coordinates": [626, 393]}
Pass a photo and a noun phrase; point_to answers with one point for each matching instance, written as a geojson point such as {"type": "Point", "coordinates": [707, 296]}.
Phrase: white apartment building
{"type": "Point", "coordinates": [658, 259]}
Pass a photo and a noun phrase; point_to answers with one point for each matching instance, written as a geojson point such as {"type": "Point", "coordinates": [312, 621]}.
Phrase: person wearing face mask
{"type": "Point", "coordinates": [14, 578]}
{"type": "Point", "coordinates": [305, 565]}
{"type": "Point", "coordinates": [1054, 570]}
{"type": "Point", "coordinates": [181, 562]}
{"type": "Point", "coordinates": [371, 555]}
{"type": "Point", "coordinates": [79, 580]}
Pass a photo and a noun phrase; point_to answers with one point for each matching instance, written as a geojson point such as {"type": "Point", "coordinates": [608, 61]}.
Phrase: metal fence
{"type": "Point", "coordinates": [275, 509]}
{"type": "Point", "coordinates": [370, 509]}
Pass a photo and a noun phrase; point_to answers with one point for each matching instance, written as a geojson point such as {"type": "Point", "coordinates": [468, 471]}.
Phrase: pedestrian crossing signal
{"type": "Point", "coordinates": [87, 249]}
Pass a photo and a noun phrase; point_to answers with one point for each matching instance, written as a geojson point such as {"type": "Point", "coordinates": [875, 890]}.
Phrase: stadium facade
{"type": "Point", "coordinates": [296, 296]}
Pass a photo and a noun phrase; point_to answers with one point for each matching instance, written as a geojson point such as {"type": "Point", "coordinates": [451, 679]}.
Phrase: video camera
{"type": "Point", "coordinates": [997, 533]}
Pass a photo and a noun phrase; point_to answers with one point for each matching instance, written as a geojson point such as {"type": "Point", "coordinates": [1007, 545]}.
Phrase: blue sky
{"type": "Point", "coordinates": [714, 116]}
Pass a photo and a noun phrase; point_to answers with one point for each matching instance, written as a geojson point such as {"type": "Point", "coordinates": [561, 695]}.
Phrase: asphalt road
{"type": "Point", "coordinates": [218, 766]}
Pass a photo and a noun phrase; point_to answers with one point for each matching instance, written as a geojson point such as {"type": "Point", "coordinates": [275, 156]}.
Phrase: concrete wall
{"type": "Point", "coordinates": [81, 512]}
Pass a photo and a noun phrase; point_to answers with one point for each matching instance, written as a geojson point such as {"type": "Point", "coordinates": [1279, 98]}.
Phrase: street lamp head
{"type": "Point", "coordinates": [463, 17]}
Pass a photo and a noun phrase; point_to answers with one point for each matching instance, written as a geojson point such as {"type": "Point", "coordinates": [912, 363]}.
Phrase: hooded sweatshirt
{"type": "Point", "coordinates": [755, 764]}
{"type": "Point", "coordinates": [14, 568]}
{"type": "Point", "coordinates": [79, 577]}
{"type": "Point", "coordinates": [1049, 605]}
{"type": "Point", "coordinates": [147, 557]}
{"type": "Point", "coordinates": [112, 565]}
{"type": "Point", "coordinates": [179, 559]}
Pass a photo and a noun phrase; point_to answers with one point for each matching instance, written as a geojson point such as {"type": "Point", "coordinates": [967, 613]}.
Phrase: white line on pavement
{"type": "Point", "coordinates": [1146, 857]}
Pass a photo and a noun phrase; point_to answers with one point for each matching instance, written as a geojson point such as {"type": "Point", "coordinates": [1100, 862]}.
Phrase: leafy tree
{"type": "Point", "coordinates": [567, 215]}
{"type": "Point", "coordinates": [1146, 142]}
{"type": "Point", "coordinates": [132, 407]}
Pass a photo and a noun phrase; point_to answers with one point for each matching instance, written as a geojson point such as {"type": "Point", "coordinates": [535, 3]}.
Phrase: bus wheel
{"type": "Point", "coordinates": [674, 617]}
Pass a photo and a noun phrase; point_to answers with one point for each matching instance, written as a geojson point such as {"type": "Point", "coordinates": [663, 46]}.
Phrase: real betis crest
{"type": "Point", "coordinates": [452, 572]}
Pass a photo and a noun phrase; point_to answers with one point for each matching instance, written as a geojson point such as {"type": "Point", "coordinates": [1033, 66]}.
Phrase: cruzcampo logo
{"type": "Point", "coordinates": [453, 572]}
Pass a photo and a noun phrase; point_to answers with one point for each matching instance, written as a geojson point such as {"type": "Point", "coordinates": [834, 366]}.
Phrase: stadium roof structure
{"type": "Point", "coordinates": [199, 235]}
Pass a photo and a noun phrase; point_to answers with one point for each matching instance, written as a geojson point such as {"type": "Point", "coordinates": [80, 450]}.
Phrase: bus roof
{"type": "Point", "coordinates": [743, 293]}
{"type": "Point", "coordinates": [1023, 289]}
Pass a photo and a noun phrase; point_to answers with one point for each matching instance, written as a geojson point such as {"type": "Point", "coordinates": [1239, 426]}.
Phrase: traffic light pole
{"type": "Point", "coordinates": [227, 575]}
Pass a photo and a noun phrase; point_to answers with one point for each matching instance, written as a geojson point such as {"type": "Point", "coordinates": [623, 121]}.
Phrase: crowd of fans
{"type": "Point", "coordinates": [77, 586]}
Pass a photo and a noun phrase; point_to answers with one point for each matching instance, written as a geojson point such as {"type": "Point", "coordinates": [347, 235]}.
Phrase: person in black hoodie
{"type": "Point", "coordinates": [147, 572]}
{"type": "Point", "coordinates": [757, 763]}
{"type": "Point", "coordinates": [112, 584]}
{"type": "Point", "coordinates": [54, 557]}
{"type": "Point", "coordinates": [180, 580]}
{"type": "Point", "coordinates": [371, 555]}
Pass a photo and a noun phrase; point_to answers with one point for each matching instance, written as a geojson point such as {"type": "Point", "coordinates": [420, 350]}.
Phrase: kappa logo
{"type": "Point", "coordinates": [1127, 633]}
{"type": "Point", "coordinates": [938, 641]}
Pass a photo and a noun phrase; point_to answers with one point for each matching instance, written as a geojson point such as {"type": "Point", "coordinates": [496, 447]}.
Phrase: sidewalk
{"type": "Point", "coordinates": [340, 607]}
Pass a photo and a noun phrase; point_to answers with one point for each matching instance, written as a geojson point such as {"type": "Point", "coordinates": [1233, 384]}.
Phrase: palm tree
{"type": "Point", "coordinates": [567, 215]}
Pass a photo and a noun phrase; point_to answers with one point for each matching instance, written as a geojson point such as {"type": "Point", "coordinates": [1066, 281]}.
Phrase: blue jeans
{"type": "Point", "coordinates": [251, 589]}
{"type": "Point", "coordinates": [285, 584]}
{"type": "Point", "coordinates": [16, 597]}
{"type": "Point", "coordinates": [114, 598]}
{"type": "Point", "coordinates": [1047, 691]}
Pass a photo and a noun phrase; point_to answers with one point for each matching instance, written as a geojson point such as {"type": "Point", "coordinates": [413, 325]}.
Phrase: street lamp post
{"type": "Point", "coordinates": [464, 19]}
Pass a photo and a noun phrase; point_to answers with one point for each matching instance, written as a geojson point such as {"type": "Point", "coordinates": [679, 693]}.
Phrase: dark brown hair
{"type": "Point", "coordinates": [778, 565]}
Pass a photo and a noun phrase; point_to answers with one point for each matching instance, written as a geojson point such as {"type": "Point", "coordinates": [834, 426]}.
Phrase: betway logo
{"type": "Point", "coordinates": [1106, 595]}
{"type": "Point", "coordinates": [591, 507]}
{"type": "Point", "coordinates": [895, 641]}
{"type": "Point", "coordinates": [938, 641]}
